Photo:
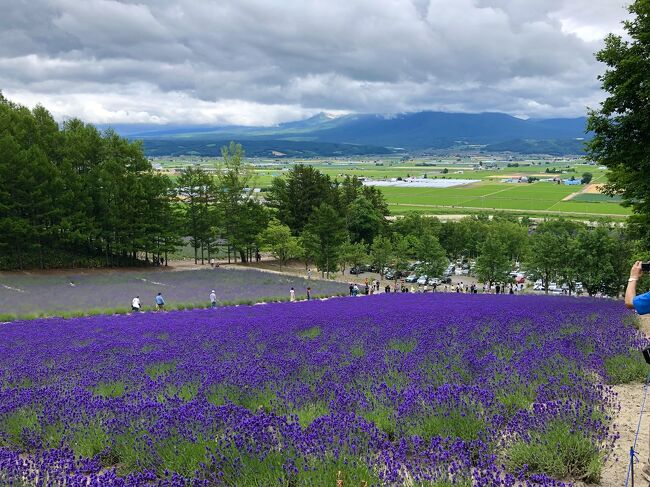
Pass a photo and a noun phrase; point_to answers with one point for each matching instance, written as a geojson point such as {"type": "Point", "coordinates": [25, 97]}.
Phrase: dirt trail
{"type": "Point", "coordinates": [630, 397]}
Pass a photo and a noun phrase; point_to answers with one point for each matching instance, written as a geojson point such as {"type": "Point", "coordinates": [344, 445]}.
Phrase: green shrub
{"type": "Point", "coordinates": [157, 370]}
{"type": "Point", "coordinates": [109, 389]}
{"type": "Point", "coordinates": [558, 452]}
{"type": "Point", "coordinates": [90, 440]}
{"type": "Point", "coordinates": [404, 346]}
{"type": "Point", "coordinates": [310, 333]}
{"type": "Point", "coordinates": [624, 368]}
{"type": "Point", "coordinates": [15, 424]}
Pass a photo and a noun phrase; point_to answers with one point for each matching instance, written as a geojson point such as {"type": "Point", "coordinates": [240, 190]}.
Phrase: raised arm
{"type": "Point", "coordinates": [630, 291]}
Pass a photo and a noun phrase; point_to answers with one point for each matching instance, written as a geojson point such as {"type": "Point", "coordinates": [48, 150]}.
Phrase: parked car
{"type": "Point", "coordinates": [433, 281]}
{"type": "Point", "coordinates": [390, 275]}
{"type": "Point", "coordinates": [422, 280]}
{"type": "Point", "coordinates": [356, 270]}
{"type": "Point", "coordinates": [411, 278]}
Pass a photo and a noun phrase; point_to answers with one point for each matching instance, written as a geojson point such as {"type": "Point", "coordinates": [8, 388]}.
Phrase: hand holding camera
{"type": "Point", "coordinates": [638, 269]}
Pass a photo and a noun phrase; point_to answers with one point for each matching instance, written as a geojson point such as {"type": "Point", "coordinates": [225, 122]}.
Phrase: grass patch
{"type": "Point", "coordinates": [311, 411]}
{"type": "Point", "coordinates": [181, 456]}
{"type": "Point", "coordinates": [251, 400]}
{"type": "Point", "coordinates": [357, 351]}
{"type": "Point", "coordinates": [90, 440]}
{"type": "Point", "coordinates": [185, 393]}
{"type": "Point", "coordinates": [404, 346]}
{"type": "Point", "coordinates": [517, 398]}
{"type": "Point", "coordinates": [310, 333]}
{"type": "Point", "coordinates": [466, 425]}
{"type": "Point", "coordinates": [559, 452]}
{"type": "Point", "coordinates": [158, 370]}
{"type": "Point", "coordinates": [383, 418]}
{"type": "Point", "coordinates": [624, 368]}
{"type": "Point", "coordinates": [17, 427]}
{"type": "Point", "coordinates": [109, 389]}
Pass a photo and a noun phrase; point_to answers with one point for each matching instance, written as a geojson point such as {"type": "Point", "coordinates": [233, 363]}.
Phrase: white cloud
{"type": "Point", "coordinates": [264, 62]}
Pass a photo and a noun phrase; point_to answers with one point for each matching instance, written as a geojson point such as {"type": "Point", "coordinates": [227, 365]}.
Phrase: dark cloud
{"type": "Point", "coordinates": [262, 61]}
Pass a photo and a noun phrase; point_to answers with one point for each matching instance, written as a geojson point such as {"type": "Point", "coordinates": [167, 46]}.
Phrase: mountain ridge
{"type": "Point", "coordinates": [411, 131]}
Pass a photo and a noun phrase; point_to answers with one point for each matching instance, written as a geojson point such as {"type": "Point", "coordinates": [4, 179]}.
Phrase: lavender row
{"type": "Point", "coordinates": [389, 389]}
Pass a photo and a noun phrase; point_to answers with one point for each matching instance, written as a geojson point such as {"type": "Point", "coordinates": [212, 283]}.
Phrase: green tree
{"type": "Point", "coordinates": [364, 221]}
{"type": "Point", "coordinates": [586, 178]}
{"type": "Point", "coordinates": [514, 237]}
{"type": "Point", "coordinates": [327, 234]}
{"type": "Point", "coordinates": [431, 255]}
{"type": "Point", "coordinates": [381, 252]}
{"type": "Point", "coordinates": [355, 254]}
{"type": "Point", "coordinates": [493, 264]}
{"type": "Point", "coordinates": [621, 125]}
{"type": "Point", "coordinates": [602, 259]}
{"type": "Point", "coordinates": [195, 187]}
{"type": "Point", "coordinates": [277, 239]}
{"type": "Point", "coordinates": [552, 252]}
{"type": "Point", "coordinates": [243, 218]}
{"type": "Point", "coordinates": [297, 195]}
{"type": "Point", "coordinates": [403, 251]}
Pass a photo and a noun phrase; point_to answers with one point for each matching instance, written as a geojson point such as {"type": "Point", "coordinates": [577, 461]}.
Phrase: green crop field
{"type": "Point", "coordinates": [490, 193]}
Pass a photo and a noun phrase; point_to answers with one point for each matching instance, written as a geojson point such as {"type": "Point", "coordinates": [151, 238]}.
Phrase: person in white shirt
{"type": "Point", "coordinates": [213, 299]}
{"type": "Point", "coordinates": [292, 295]}
{"type": "Point", "coordinates": [135, 304]}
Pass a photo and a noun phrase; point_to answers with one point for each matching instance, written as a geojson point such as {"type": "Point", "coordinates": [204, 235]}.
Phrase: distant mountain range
{"type": "Point", "coordinates": [328, 135]}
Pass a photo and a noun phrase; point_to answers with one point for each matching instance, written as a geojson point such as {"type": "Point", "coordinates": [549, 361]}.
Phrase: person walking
{"type": "Point", "coordinates": [213, 299]}
{"type": "Point", "coordinates": [292, 295]}
{"type": "Point", "coordinates": [309, 273]}
{"type": "Point", "coordinates": [351, 289]}
{"type": "Point", "coordinates": [135, 304]}
{"type": "Point", "coordinates": [308, 293]}
{"type": "Point", "coordinates": [497, 288]}
{"type": "Point", "coordinates": [160, 302]}
{"type": "Point", "coordinates": [355, 290]}
{"type": "Point", "coordinates": [387, 288]}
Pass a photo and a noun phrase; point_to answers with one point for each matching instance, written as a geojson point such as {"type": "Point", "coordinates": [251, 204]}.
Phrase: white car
{"type": "Point", "coordinates": [422, 280]}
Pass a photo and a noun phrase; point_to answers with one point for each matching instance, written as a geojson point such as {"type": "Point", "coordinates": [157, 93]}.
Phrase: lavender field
{"type": "Point", "coordinates": [24, 294]}
{"type": "Point", "coordinates": [418, 390]}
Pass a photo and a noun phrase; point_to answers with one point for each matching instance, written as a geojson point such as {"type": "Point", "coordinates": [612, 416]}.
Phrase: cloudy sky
{"type": "Point", "coordinates": [261, 62]}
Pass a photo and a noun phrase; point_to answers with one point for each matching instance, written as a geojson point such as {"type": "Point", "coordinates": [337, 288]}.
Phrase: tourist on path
{"type": "Point", "coordinates": [213, 299]}
{"type": "Point", "coordinates": [292, 295]}
{"type": "Point", "coordinates": [308, 293]}
{"type": "Point", "coordinates": [160, 302]}
{"type": "Point", "coordinates": [641, 304]}
{"type": "Point", "coordinates": [135, 304]}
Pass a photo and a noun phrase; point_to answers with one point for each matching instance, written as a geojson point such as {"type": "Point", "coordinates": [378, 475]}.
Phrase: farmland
{"type": "Point", "coordinates": [425, 389]}
{"type": "Point", "coordinates": [81, 291]}
{"type": "Point", "coordinates": [488, 194]}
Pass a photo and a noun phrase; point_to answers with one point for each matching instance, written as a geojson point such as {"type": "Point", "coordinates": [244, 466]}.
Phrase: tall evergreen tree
{"type": "Point", "coordinates": [297, 195]}
{"type": "Point", "coordinates": [327, 230]}
{"type": "Point", "coordinates": [621, 125]}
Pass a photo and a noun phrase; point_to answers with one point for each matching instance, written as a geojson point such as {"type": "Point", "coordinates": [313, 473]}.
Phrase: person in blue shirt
{"type": "Point", "coordinates": [640, 303]}
{"type": "Point", "coordinates": [160, 302]}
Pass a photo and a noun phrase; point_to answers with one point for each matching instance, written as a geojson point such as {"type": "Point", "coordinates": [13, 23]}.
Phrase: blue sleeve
{"type": "Point", "coordinates": [641, 303]}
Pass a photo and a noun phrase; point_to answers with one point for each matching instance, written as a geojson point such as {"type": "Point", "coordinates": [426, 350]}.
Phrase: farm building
{"type": "Point", "coordinates": [571, 182]}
